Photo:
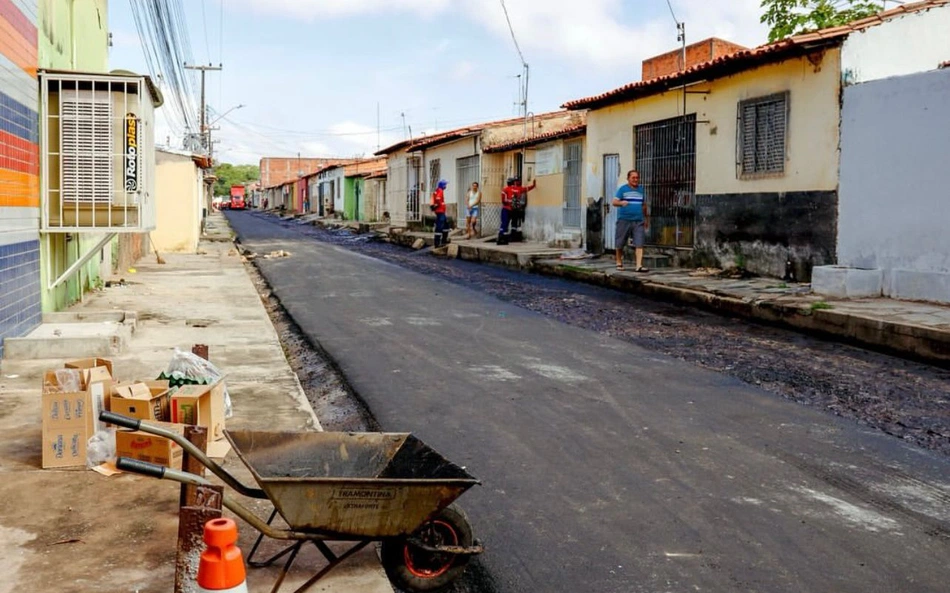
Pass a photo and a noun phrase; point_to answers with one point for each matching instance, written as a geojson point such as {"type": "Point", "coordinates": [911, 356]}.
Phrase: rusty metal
{"type": "Point", "coordinates": [371, 485]}
{"type": "Point", "coordinates": [191, 522]}
{"type": "Point", "coordinates": [197, 436]}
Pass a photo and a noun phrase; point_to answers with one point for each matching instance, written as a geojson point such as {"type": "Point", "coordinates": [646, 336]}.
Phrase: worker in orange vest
{"type": "Point", "coordinates": [438, 207]}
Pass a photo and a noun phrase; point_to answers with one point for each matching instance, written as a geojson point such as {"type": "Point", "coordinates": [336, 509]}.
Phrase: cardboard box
{"type": "Point", "coordinates": [200, 405]}
{"type": "Point", "coordinates": [90, 363]}
{"type": "Point", "coordinates": [145, 400]}
{"type": "Point", "coordinates": [147, 447]}
{"type": "Point", "coordinates": [69, 418]}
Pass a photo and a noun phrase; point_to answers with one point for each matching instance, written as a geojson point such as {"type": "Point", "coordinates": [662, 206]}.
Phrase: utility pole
{"type": "Point", "coordinates": [204, 108]}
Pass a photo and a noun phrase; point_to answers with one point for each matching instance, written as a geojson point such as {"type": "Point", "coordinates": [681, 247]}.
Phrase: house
{"type": "Point", "coordinates": [457, 156]}
{"type": "Point", "coordinates": [553, 160]}
{"type": "Point", "coordinates": [355, 186]}
{"type": "Point", "coordinates": [330, 189]}
{"type": "Point", "coordinates": [739, 153]}
{"type": "Point", "coordinates": [56, 240]}
{"type": "Point", "coordinates": [895, 138]}
{"type": "Point", "coordinates": [377, 207]}
{"type": "Point", "coordinates": [180, 196]}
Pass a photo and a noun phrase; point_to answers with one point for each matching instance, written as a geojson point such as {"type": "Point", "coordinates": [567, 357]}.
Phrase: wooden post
{"type": "Point", "coordinates": [197, 436]}
{"type": "Point", "coordinates": [191, 522]}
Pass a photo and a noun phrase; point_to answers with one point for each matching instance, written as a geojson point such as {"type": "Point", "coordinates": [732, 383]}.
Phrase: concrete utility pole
{"type": "Point", "coordinates": [204, 107]}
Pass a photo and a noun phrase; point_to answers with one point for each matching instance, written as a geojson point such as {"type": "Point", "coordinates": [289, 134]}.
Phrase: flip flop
{"type": "Point", "coordinates": [620, 268]}
{"type": "Point", "coordinates": [642, 270]}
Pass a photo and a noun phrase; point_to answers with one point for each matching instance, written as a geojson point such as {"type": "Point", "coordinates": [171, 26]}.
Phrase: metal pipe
{"type": "Point", "coordinates": [136, 424]}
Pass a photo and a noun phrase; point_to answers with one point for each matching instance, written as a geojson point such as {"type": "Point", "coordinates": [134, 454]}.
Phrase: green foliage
{"type": "Point", "coordinates": [821, 306]}
{"type": "Point", "coordinates": [790, 17]}
{"type": "Point", "coordinates": [229, 175]}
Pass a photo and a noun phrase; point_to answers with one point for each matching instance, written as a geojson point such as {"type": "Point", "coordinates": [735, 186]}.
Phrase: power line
{"type": "Point", "coordinates": [204, 21]}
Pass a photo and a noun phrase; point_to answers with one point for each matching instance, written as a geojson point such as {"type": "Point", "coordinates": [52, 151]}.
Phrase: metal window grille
{"type": "Point", "coordinates": [572, 184]}
{"type": "Point", "coordinates": [666, 160]}
{"type": "Point", "coordinates": [86, 137]}
{"type": "Point", "coordinates": [762, 129]}
{"type": "Point", "coordinates": [435, 173]}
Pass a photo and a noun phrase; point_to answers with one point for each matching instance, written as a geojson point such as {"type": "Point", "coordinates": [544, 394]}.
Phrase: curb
{"type": "Point", "coordinates": [908, 341]}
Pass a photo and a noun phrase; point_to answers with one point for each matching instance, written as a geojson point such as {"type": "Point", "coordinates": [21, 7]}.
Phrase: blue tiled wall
{"type": "Point", "coordinates": [19, 289]}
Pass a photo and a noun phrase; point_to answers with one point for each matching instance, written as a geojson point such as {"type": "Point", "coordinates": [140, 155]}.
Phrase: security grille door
{"type": "Point", "coordinates": [467, 172]}
{"type": "Point", "coordinates": [611, 183]}
{"type": "Point", "coordinates": [87, 150]}
{"type": "Point", "coordinates": [573, 154]}
{"type": "Point", "coordinates": [666, 160]}
{"type": "Point", "coordinates": [413, 197]}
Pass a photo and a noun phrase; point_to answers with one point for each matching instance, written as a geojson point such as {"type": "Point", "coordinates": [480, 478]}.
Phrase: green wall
{"type": "Point", "coordinates": [73, 35]}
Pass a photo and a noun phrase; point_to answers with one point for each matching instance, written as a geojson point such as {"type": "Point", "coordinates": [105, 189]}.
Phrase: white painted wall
{"type": "Point", "coordinates": [894, 210]}
{"type": "Point", "coordinates": [915, 42]}
{"type": "Point", "coordinates": [448, 154]}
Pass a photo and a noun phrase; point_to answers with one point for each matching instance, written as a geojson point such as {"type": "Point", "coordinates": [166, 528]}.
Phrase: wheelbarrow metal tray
{"type": "Point", "coordinates": [352, 485]}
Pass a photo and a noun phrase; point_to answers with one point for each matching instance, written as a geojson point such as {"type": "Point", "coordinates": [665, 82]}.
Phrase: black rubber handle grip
{"type": "Point", "coordinates": [140, 467]}
{"type": "Point", "coordinates": [120, 420]}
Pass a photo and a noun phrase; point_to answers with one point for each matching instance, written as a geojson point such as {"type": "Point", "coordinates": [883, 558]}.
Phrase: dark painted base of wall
{"type": "Point", "coordinates": [770, 234]}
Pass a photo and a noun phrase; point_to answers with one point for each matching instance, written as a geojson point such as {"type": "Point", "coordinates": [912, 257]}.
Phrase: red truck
{"type": "Point", "coordinates": [237, 197]}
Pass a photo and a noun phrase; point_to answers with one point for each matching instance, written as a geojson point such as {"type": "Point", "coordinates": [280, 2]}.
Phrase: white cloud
{"type": "Point", "coordinates": [462, 71]}
{"type": "Point", "coordinates": [311, 9]}
{"type": "Point", "coordinates": [589, 33]}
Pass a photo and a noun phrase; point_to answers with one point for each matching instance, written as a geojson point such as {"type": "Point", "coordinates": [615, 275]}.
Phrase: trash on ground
{"type": "Point", "coordinates": [577, 254]}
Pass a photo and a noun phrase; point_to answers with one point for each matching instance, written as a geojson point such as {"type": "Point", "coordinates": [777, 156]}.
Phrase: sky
{"type": "Point", "coordinates": [343, 77]}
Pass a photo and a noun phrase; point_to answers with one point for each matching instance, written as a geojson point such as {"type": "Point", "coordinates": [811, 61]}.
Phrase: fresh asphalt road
{"type": "Point", "coordinates": [606, 467]}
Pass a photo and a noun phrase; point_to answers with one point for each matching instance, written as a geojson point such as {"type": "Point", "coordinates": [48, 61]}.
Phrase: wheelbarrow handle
{"type": "Point", "coordinates": [161, 472]}
{"type": "Point", "coordinates": [134, 466]}
{"type": "Point", "coordinates": [120, 420]}
{"type": "Point", "coordinates": [216, 469]}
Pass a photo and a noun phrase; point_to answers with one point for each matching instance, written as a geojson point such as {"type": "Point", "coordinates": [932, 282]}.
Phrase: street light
{"type": "Point", "coordinates": [220, 117]}
{"type": "Point", "coordinates": [210, 126]}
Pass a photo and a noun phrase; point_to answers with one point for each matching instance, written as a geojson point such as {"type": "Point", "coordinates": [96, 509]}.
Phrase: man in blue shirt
{"type": "Point", "coordinates": [633, 219]}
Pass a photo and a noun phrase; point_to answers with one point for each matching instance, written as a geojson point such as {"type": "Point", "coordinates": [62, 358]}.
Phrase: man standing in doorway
{"type": "Point", "coordinates": [633, 219]}
{"type": "Point", "coordinates": [514, 201]}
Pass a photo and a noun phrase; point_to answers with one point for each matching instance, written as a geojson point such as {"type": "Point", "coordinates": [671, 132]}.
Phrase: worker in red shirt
{"type": "Point", "coordinates": [438, 208]}
{"type": "Point", "coordinates": [514, 201]}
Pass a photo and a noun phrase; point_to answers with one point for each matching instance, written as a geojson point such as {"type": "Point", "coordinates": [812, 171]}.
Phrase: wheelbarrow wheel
{"type": "Point", "coordinates": [416, 570]}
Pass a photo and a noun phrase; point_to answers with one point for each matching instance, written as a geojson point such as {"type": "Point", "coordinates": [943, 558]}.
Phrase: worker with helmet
{"type": "Point", "coordinates": [514, 202]}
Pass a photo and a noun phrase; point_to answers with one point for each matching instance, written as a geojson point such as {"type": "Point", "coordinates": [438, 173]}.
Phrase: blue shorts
{"type": "Point", "coordinates": [473, 212]}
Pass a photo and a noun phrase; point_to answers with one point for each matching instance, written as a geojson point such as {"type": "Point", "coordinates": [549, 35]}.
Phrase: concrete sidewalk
{"type": "Point", "coordinates": [77, 531]}
{"type": "Point", "coordinates": [905, 328]}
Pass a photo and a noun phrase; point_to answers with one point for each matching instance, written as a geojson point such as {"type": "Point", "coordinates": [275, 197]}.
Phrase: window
{"type": "Point", "coordinates": [761, 137]}
{"type": "Point", "coordinates": [435, 173]}
{"type": "Point", "coordinates": [87, 145]}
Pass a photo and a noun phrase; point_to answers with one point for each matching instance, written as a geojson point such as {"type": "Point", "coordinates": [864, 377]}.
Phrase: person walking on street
{"type": "Point", "coordinates": [633, 219]}
{"type": "Point", "coordinates": [471, 216]}
{"type": "Point", "coordinates": [438, 207]}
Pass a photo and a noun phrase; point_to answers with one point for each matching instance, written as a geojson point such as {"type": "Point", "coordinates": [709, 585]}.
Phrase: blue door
{"type": "Point", "coordinates": [611, 183]}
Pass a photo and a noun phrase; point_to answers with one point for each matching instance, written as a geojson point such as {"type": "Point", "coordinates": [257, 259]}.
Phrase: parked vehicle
{"type": "Point", "coordinates": [237, 198]}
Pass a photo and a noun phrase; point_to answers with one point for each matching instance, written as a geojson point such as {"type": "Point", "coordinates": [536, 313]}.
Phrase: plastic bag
{"type": "Point", "coordinates": [68, 380]}
{"type": "Point", "coordinates": [100, 448]}
{"type": "Point", "coordinates": [188, 368]}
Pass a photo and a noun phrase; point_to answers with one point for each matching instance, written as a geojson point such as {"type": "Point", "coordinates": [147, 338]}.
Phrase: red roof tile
{"type": "Point", "coordinates": [750, 58]}
{"type": "Point", "coordinates": [575, 130]}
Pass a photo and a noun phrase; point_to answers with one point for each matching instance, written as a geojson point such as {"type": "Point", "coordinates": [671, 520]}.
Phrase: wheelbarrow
{"type": "Point", "coordinates": [358, 488]}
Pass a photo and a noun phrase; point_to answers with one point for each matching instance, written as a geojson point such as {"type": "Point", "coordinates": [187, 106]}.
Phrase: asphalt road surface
{"type": "Point", "coordinates": [607, 467]}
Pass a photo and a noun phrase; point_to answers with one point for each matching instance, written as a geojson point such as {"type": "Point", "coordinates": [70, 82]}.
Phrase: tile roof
{"type": "Point", "coordinates": [365, 167]}
{"type": "Point", "coordinates": [575, 130]}
{"type": "Point", "coordinates": [452, 135]}
{"type": "Point", "coordinates": [750, 58]}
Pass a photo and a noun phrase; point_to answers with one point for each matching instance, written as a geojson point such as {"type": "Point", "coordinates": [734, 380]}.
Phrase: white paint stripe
{"type": "Point", "coordinates": [18, 237]}
{"type": "Point", "coordinates": [17, 84]}
{"type": "Point", "coordinates": [29, 8]}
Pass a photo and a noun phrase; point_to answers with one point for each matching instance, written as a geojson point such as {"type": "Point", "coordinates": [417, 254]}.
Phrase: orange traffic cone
{"type": "Point", "coordinates": [222, 565]}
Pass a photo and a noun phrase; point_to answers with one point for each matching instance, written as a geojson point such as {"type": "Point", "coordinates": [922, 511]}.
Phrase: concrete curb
{"type": "Point", "coordinates": [917, 342]}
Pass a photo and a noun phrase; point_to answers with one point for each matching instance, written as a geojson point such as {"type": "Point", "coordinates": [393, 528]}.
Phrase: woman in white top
{"type": "Point", "coordinates": [471, 217]}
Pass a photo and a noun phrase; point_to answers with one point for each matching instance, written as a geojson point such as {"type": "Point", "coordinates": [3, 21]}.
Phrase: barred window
{"type": "Point", "coordinates": [762, 132]}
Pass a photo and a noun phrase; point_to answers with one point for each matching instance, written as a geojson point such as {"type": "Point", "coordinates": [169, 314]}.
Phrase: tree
{"type": "Point", "coordinates": [229, 175]}
{"type": "Point", "coordinates": [790, 17]}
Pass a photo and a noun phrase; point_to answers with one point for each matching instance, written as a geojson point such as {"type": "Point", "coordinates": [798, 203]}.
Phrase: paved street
{"type": "Point", "coordinates": [607, 467]}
